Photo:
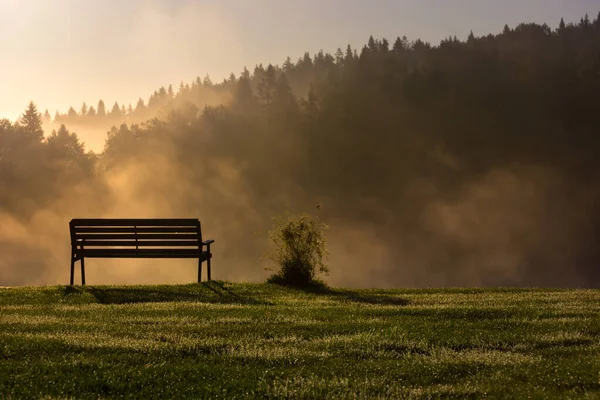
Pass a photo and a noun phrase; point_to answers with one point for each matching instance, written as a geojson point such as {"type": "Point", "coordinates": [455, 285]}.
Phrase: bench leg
{"type": "Point", "coordinates": [82, 272]}
{"type": "Point", "coordinates": [72, 268]}
{"type": "Point", "coordinates": [208, 268]}
{"type": "Point", "coordinates": [199, 270]}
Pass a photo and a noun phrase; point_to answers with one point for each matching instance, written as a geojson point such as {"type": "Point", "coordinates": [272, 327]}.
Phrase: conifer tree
{"type": "Point", "coordinates": [31, 122]}
{"type": "Point", "coordinates": [101, 111]}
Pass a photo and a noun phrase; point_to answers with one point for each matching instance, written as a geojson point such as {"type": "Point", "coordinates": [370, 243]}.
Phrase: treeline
{"type": "Point", "coordinates": [470, 162]}
{"type": "Point", "coordinates": [200, 92]}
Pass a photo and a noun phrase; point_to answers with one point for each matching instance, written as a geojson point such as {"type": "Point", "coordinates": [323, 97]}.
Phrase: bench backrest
{"type": "Point", "coordinates": [134, 233]}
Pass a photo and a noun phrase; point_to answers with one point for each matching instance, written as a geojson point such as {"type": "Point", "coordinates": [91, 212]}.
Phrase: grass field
{"type": "Point", "coordinates": [263, 341]}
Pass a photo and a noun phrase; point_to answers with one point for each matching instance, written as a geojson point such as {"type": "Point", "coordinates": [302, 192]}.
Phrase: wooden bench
{"type": "Point", "coordinates": [137, 238]}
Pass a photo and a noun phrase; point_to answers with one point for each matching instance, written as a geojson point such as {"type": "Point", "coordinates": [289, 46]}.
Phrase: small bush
{"type": "Point", "coordinates": [298, 249]}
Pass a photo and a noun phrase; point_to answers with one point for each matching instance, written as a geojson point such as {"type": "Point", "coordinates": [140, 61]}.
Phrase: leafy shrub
{"type": "Point", "coordinates": [298, 248]}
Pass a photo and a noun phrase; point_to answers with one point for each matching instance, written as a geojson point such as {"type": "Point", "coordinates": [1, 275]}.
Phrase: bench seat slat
{"type": "Point", "coordinates": [139, 236]}
{"type": "Point", "coordinates": [140, 243]}
{"type": "Point", "coordinates": [143, 253]}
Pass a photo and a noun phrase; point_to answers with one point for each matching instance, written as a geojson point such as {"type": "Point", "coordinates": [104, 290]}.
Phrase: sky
{"type": "Point", "coordinates": [60, 53]}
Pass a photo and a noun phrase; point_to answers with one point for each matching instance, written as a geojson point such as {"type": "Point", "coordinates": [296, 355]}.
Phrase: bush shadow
{"type": "Point", "coordinates": [321, 288]}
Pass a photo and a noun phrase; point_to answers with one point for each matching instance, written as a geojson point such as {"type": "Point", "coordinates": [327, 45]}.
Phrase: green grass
{"type": "Point", "coordinates": [264, 341]}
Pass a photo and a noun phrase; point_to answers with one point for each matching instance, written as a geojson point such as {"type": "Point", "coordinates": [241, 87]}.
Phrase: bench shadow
{"type": "Point", "coordinates": [353, 296]}
{"type": "Point", "coordinates": [207, 292]}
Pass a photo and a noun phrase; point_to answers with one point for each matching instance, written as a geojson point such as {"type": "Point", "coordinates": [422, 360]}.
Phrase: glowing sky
{"type": "Point", "coordinates": [63, 52]}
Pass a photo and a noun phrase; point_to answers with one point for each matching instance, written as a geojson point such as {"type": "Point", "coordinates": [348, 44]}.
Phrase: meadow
{"type": "Point", "coordinates": [238, 340]}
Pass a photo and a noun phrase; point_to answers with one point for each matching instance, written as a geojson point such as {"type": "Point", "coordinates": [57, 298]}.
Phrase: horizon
{"type": "Point", "coordinates": [160, 42]}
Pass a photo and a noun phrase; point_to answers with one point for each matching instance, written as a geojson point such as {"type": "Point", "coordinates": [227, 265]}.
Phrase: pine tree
{"type": "Point", "coordinates": [72, 113]}
{"type": "Point", "coordinates": [398, 45]}
{"type": "Point", "coordinates": [139, 108]}
{"type": "Point", "coordinates": [101, 111]}
{"type": "Point", "coordinates": [170, 92]}
{"type": "Point", "coordinates": [384, 46]}
{"type": "Point", "coordinates": [31, 122]}
{"type": "Point", "coordinates": [471, 38]}
{"type": "Point", "coordinates": [372, 45]}
{"type": "Point", "coordinates": [84, 109]}
{"type": "Point", "coordinates": [562, 25]}
{"type": "Point", "coordinates": [349, 54]}
{"type": "Point", "coordinates": [288, 65]}
{"type": "Point", "coordinates": [91, 112]}
{"type": "Point", "coordinates": [243, 92]}
{"type": "Point", "coordinates": [506, 30]}
{"type": "Point", "coordinates": [116, 110]}
{"type": "Point", "coordinates": [282, 96]}
{"type": "Point", "coordinates": [339, 56]}
{"type": "Point", "coordinates": [266, 86]}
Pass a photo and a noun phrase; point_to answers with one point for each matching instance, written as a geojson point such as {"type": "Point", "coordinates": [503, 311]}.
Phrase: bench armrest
{"type": "Point", "coordinates": [207, 242]}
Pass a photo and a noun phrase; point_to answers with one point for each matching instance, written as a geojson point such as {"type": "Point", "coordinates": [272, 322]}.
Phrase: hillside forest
{"type": "Point", "coordinates": [467, 163]}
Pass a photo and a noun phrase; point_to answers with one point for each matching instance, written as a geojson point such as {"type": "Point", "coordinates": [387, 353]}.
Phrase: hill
{"type": "Point", "coordinates": [469, 163]}
{"type": "Point", "coordinates": [257, 340]}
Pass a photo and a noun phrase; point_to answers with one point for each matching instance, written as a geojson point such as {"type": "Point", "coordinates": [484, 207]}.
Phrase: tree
{"type": "Point", "coordinates": [170, 92]}
{"type": "Point", "coordinates": [372, 45]}
{"type": "Point", "coordinates": [84, 110]}
{"type": "Point", "coordinates": [283, 100]}
{"type": "Point", "coordinates": [116, 111]}
{"type": "Point", "coordinates": [139, 107]}
{"type": "Point", "coordinates": [399, 45]}
{"type": "Point", "coordinates": [91, 112]}
{"type": "Point", "coordinates": [585, 21]}
{"type": "Point", "coordinates": [266, 86]}
{"type": "Point", "coordinates": [339, 56]}
{"type": "Point", "coordinates": [31, 123]}
{"type": "Point", "coordinates": [243, 94]}
{"type": "Point", "coordinates": [561, 25]}
{"type": "Point", "coordinates": [101, 110]}
{"type": "Point", "coordinates": [162, 94]}
{"type": "Point", "coordinates": [288, 65]}
{"type": "Point", "coordinates": [471, 38]}
{"type": "Point", "coordinates": [65, 152]}
{"type": "Point", "coordinates": [349, 54]}
{"type": "Point", "coordinates": [72, 113]}
{"type": "Point", "coordinates": [384, 46]}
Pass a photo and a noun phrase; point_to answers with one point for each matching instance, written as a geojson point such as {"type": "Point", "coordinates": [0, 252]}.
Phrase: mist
{"type": "Point", "coordinates": [426, 179]}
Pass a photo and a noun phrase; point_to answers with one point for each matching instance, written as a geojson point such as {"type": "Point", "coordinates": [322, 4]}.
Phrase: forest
{"type": "Point", "coordinates": [468, 163]}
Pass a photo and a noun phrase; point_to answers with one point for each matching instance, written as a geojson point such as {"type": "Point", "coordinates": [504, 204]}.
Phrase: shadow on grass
{"type": "Point", "coordinates": [320, 288]}
{"type": "Point", "coordinates": [207, 292]}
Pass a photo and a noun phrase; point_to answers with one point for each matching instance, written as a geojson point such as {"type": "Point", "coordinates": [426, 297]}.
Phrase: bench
{"type": "Point", "coordinates": [137, 238]}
